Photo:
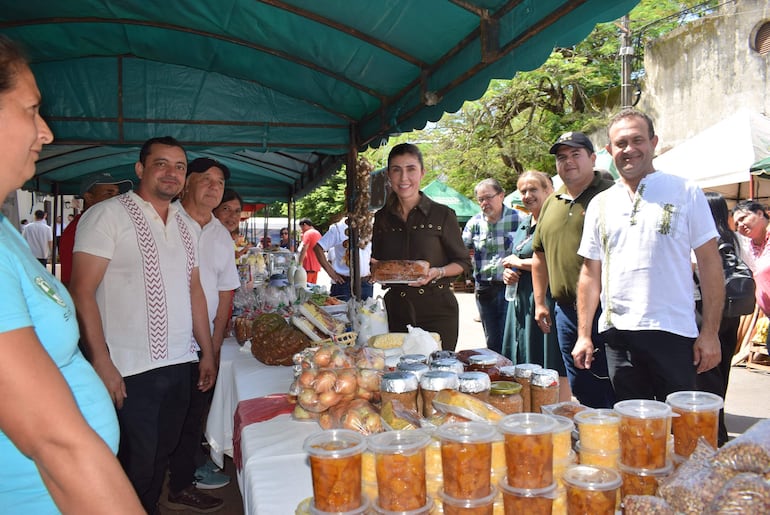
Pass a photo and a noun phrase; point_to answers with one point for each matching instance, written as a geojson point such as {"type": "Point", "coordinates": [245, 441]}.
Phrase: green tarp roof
{"type": "Point", "coordinates": [463, 207]}
{"type": "Point", "coordinates": [278, 90]}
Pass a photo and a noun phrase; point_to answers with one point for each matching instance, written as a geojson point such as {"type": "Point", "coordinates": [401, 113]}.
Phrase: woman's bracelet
{"type": "Point", "coordinates": [440, 272]}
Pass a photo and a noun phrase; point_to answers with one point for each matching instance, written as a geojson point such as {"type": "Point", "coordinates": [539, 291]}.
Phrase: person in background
{"type": "Point", "coordinates": [335, 242]}
{"type": "Point", "coordinates": [229, 213]}
{"type": "Point", "coordinates": [490, 235]}
{"type": "Point", "coordinates": [715, 380]}
{"type": "Point", "coordinates": [556, 265]}
{"type": "Point", "coordinates": [523, 340]}
{"type": "Point", "coordinates": [752, 222]}
{"type": "Point", "coordinates": [188, 466]}
{"type": "Point", "coordinates": [307, 256]}
{"type": "Point", "coordinates": [56, 416]}
{"type": "Point", "coordinates": [637, 260]}
{"type": "Point", "coordinates": [93, 190]}
{"type": "Point", "coordinates": [136, 285]}
{"type": "Point", "coordinates": [285, 242]}
{"type": "Point", "coordinates": [39, 237]}
{"type": "Point", "coordinates": [411, 226]}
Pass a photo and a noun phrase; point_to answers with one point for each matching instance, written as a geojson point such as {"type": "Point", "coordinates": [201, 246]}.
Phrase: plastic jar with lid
{"type": "Point", "coordinates": [698, 415]}
{"type": "Point", "coordinates": [644, 429]}
{"type": "Point", "coordinates": [432, 382]}
{"type": "Point", "coordinates": [528, 449]}
{"type": "Point", "coordinates": [476, 384]}
{"type": "Point", "coordinates": [598, 429]}
{"type": "Point", "coordinates": [506, 396]}
{"type": "Point", "coordinates": [522, 374]}
{"type": "Point", "coordinates": [448, 365]}
{"type": "Point", "coordinates": [484, 363]}
{"type": "Point", "coordinates": [401, 386]}
{"type": "Point", "coordinates": [591, 489]}
{"type": "Point", "coordinates": [544, 389]}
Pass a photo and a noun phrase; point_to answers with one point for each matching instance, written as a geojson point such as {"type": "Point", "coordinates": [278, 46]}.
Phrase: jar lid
{"type": "Point", "coordinates": [545, 378]}
{"type": "Point", "coordinates": [436, 380]}
{"type": "Point", "coordinates": [398, 382]}
{"type": "Point", "coordinates": [527, 424]}
{"type": "Point", "coordinates": [335, 443]}
{"type": "Point", "coordinates": [695, 401]}
{"type": "Point", "coordinates": [587, 477]}
{"type": "Point", "coordinates": [505, 388]}
{"type": "Point", "coordinates": [466, 432]}
{"type": "Point", "coordinates": [563, 424]}
{"type": "Point", "coordinates": [449, 364]}
{"type": "Point", "coordinates": [473, 382]}
{"type": "Point", "coordinates": [643, 408]}
{"type": "Point", "coordinates": [508, 371]}
{"type": "Point", "coordinates": [407, 442]}
{"type": "Point", "coordinates": [524, 370]}
{"type": "Point", "coordinates": [413, 358]}
{"type": "Point", "coordinates": [482, 359]}
{"type": "Point", "coordinates": [597, 417]}
{"type": "Point", "coordinates": [417, 369]}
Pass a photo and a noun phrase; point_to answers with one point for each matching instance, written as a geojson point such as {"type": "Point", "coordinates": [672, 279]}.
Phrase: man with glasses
{"type": "Point", "coordinates": [490, 235]}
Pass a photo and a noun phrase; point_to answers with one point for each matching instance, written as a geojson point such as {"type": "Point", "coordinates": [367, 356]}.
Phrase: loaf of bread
{"type": "Point", "coordinates": [400, 271]}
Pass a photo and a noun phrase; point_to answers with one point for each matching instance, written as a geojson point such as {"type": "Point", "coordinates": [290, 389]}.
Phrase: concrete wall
{"type": "Point", "coordinates": [702, 72]}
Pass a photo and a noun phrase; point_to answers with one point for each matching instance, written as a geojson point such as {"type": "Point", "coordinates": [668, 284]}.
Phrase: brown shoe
{"type": "Point", "coordinates": [192, 499]}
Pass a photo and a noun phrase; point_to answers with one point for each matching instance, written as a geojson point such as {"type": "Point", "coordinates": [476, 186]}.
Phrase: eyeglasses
{"type": "Point", "coordinates": [483, 199]}
{"type": "Point", "coordinates": [286, 233]}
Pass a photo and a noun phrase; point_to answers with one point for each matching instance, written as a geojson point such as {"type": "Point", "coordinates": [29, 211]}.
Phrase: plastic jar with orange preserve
{"type": "Point", "coordinates": [529, 501]}
{"type": "Point", "coordinates": [335, 466]}
{"type": "Point", "coordinates": [400, 465]}
{"type": "Point", "coordinates": [466, 458]}
{"type": "Point", "coordinates": [506, 396]}
{"type": "Point", "coordinates": [591, 490]}
{"type": "Point", "coordinates": [476, 384]}
{"type": "Point", "coordinates": [528, 449]}
{"type": "Point", "coordinates": [644, 429]}
{"type": "Point", "coordinates": [698, 415]}
{"type": "Point", "coordinates": [599, 429]}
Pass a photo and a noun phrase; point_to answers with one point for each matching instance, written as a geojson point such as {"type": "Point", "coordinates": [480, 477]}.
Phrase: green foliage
{"type": "Point", "coordinates": [325, 201]}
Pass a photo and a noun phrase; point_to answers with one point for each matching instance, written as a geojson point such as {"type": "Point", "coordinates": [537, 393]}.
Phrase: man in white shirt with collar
{"type": "Point", "coordinates": [136, 285]}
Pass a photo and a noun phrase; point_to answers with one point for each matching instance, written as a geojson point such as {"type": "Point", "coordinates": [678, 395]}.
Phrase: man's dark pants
{"type": "Point", "coordinates": [151, 421]}
{"type": "Point", "coordinates": [493, 308]}
{"type": "Point", "coordinates": [591, 387]}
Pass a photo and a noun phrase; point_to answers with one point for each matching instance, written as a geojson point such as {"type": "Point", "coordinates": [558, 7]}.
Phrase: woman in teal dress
{"type": "Point", "coordinates": [523, 341]}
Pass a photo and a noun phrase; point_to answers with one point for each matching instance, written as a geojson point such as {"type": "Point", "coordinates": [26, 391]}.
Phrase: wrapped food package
{"type": "Point", "coordinates": [274, 342]}
{"type": "Point", "coordinates": [749, 452]}
{"type": "Point", "coordinates": [745, 493]}
{"type": "Point", "coordinates": [646, 505]}
{"type": "Point", "coordinates": [400, 271]}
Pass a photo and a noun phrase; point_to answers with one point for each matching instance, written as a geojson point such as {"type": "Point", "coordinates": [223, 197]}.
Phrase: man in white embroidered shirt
{"type": "Point", "coordinates": [136, 286]}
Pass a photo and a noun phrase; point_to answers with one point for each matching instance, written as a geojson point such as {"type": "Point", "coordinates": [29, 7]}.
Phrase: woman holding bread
{"type": "Point", "coordinates": [412, 227]}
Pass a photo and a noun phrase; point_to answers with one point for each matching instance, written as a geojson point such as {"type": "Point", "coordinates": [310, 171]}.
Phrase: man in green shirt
{"type": "Point", "coordinates": [556, 263]}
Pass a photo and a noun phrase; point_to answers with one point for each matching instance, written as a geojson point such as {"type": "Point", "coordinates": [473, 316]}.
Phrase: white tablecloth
{"type": "Point", "coordinates": [276, 475]}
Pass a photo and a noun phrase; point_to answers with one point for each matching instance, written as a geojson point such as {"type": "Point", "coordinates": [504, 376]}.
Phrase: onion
{"type": "Point", "coordinates": [301, 413]}
{"type": "Point", "coordinates": [322, 357]}
{"type": "Point", "coordinates": [306, 378]}
{"type": "Point", "coordinates": [325, 421]}
{"type": "Point", "coordinates": [373, 423]}
{"type": "Point", "coordinates": [308, 399]}
{"type": "Point", "coordinates": [329, 398]}
{"type": "Point", "coordinates": [339, 359]}
{"type": "Point", "coordinates": [352, 420]}
{"type": "Point", "coordinates": [346, 383]}
{"type": "Point", "coordinates": [369, 379]}
{"type": "Point", "coordinates": [363, 393]}
{"type": "Point", "coordinates": [324, 381]}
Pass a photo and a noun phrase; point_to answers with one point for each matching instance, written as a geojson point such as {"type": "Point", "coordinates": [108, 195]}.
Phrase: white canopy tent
{"type": "Point", "coordinates": [720, 157]}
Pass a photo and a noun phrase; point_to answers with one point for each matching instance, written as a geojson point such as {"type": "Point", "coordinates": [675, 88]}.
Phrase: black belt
{"type": "Point", "coordinates": [567, 303]}
{"type": "Point", "coordinates": [490, 283]}
{"type": "Point", "coordinates": [429, 288]}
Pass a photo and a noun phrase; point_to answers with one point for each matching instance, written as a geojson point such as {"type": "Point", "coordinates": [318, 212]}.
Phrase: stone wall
{"type": "Point", "coordinates": [702, 72]}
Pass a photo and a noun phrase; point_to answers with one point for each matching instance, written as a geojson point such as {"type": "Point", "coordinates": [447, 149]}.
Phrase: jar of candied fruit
{"type": "Point", "coordinates": [698, 415]}
{"type": "Point", "coordinates": [528, 449]}
{"type": "Point", "coordinates": [644, 429]}
{"type": "Point", "coordinates": [591, 490]}
{"type": "Point", "coordinates": [400, 386]}
{"type": "Point", "coordinates": [523, 376]}
{"type": "Point", "coordinates": [400, 466]}
{"type": "Point", "coordinates": [335, 467]}
{"type": "Point", "coordinates": [544, 389]}
{"type": "Point", "coordinates": [476, 384]}
{"type": "Point", "coordinates": [506, 396]}
{"type": "Point", "coordinates": [466, 458]}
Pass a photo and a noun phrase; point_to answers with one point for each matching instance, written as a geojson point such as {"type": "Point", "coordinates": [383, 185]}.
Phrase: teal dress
{"type": "Point", "coordinates": [523, 341]}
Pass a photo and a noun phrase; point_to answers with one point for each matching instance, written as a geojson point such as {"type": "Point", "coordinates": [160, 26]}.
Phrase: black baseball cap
{"type": "Point", "coordinates": [202, 164]}
{"type": "Point", "coordinates": [574, 140]}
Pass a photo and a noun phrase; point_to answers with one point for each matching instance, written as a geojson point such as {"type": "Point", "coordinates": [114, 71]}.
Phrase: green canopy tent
{"type": "Point", "coordinates": [463, 207]}
{"type": "Point", "coordinates": [761, 167]}
{"type": "Point", "coordinates": [282, 91]}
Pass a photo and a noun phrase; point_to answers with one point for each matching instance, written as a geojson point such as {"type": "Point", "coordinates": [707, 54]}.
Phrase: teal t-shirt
{"type": "Point", "coordinates": [31, 297]}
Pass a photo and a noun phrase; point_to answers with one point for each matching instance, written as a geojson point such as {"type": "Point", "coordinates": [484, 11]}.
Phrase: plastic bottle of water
{"type": "Point", "coordinates": [510, 291]}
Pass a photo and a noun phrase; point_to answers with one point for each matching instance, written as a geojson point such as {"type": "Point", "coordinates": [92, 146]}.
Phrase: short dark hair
{"type": "Point", "coordinates": [630, 112]}
{"type": "Point", "coordinates": [12, 60]}
{"type": "Point", "coordinates": [306, 221]}
{"type": "Point", "coordinates": [230, 194]}
{"type": "Point", "coordinates": [39, 214]}
{"type": "Point", "coordinates": [403, 149]}
{"type": "Point", "coordinates": [160, 140]}
{"type": "Point", "coordinates": [284, 230]}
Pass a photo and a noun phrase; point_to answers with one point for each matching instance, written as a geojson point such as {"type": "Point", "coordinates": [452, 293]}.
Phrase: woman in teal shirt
{"type": "Point", "coordinates": [58, 429]}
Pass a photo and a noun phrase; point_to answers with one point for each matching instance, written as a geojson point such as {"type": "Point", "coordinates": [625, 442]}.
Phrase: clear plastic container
{"type": "Point", "coordinates": [335, 466]}
{"type": "Point", "coordinates": [644, 429]}
{"type": "Point", "coordinates": [529, 501]}
{"type": "Point", "coordinates": [361, 510]}
{"type": "Point", "coordinates": [642, 481]}
{"type": "Point", "coordinates": [698, 415]}
{"type": "Point", "coordinates": [481, 506]}
{"type": "Point", "coordinates": [422, 510]}
{"type": "Point", "coordinates": [598, 457]}
{"type": "Point", "coordinates": [599, 429]}
{"type": "Point", "coordinates": [591, 490]}
{"type": "Point", "coordinates": [466, 458]}
{"type": "Point", "coordinates": [528, 449]}
{"type": "Point", "coordinates": [562, 438]}
{"type": "Point", "coordinates": [400, 466]}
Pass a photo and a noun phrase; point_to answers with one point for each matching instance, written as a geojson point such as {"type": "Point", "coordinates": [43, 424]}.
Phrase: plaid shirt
{"type": "Point", "coordinates": [491, 243]}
